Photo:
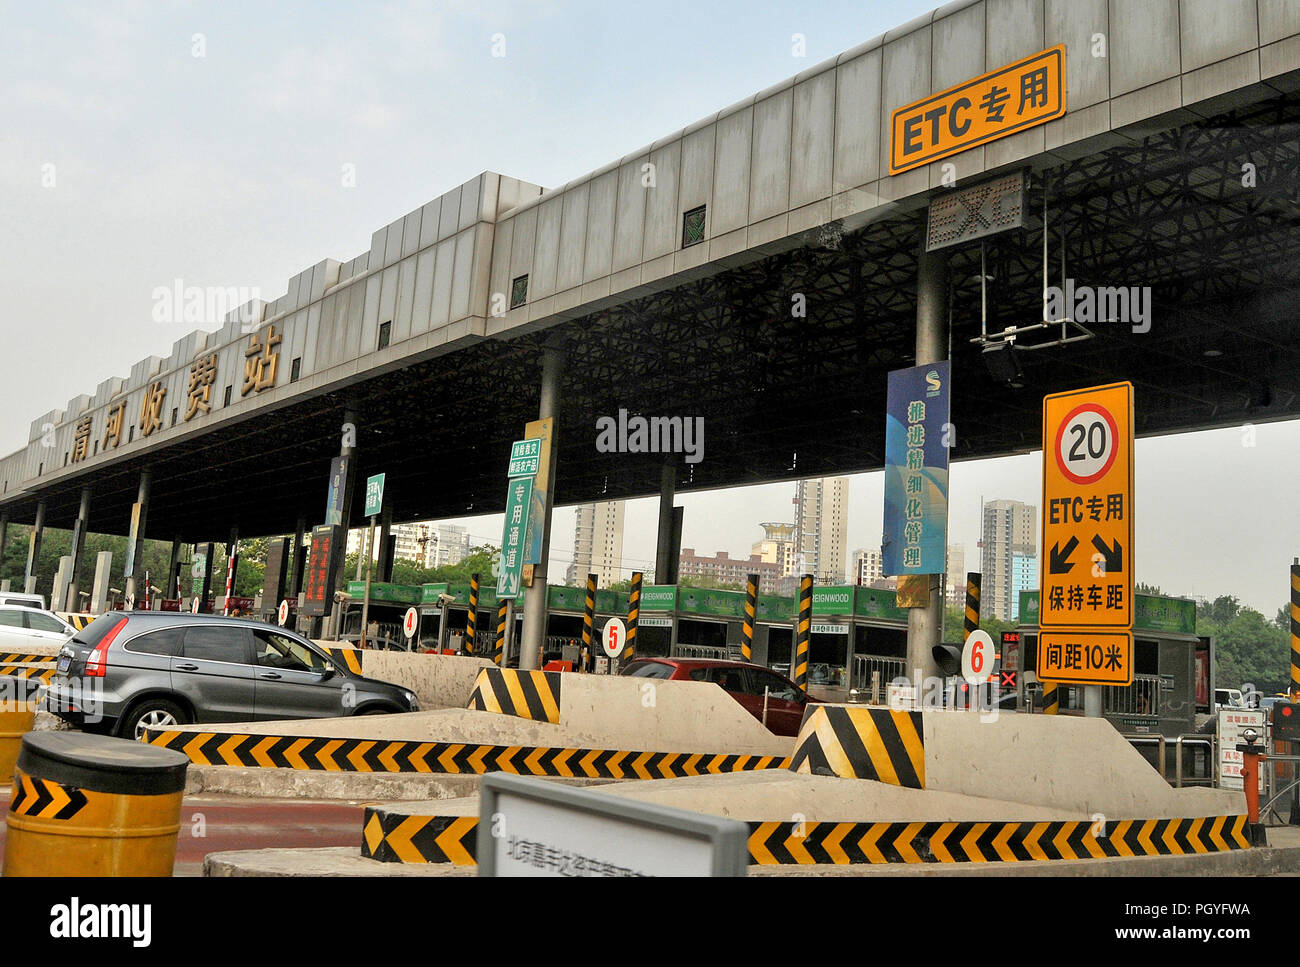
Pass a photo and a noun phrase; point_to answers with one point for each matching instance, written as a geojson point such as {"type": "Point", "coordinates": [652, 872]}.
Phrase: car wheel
{"type": "Point", "coordinates": [379, 710]}
{"type": "Point", "coordinates": [153, 713]}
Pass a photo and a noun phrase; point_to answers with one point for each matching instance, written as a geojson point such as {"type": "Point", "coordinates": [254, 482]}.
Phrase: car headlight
{"type": "Point", "coordinates": [411, 700]}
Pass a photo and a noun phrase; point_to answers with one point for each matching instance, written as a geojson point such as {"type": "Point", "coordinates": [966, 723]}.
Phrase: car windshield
{"type": "Point", "coordinates": [651, 669]}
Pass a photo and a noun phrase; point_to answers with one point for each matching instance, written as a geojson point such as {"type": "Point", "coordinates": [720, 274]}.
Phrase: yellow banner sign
{"type": "Point", "coordinates": [1086, 562]}
{"type": "Point", "coordinates": [1078, 657]}
{"type": "Point", "coordinates": [1007, 100]}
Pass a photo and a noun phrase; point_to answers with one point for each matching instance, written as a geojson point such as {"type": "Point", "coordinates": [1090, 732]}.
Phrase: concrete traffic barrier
{"type": "Point", "coordinates": [89, 805]}
{"type": "Point", "coordinates": [17, 717]}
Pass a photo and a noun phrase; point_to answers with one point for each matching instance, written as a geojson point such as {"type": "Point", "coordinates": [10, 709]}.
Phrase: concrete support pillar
{"type": "Point", "coordinates": [299, 564]}
{"type": "Point", "coordinates": [664, 557]}
{"type": "Point", "coordinates": [61, 577]}
{"type": "Point", "coordinates": [34, 549]}
{"type": "Point", "coordinates": [99, 590]}
{"type": "Point", "coordinates": [173, 569]}
{"type": "Point", "coordinates": [209, 550]}
{"type": "Point", "coordinates": [925, 625]}
{"type": "Point", "coordinates": [73, 600]}
{"type": "Point", "coordinates": [534, 630]}
{"type": "Point", "coordinates": [135, 553]}
{"type": "Point", "coordinates": [232, 567]}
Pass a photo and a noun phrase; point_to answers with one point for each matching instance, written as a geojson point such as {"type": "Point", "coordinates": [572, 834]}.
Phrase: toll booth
{"type": "Point", "coordinates": [388, 606]}
{"type": "Point", "coordinates": [1172, 669]}
{"type": "Point", "coordinates": [858, 635]}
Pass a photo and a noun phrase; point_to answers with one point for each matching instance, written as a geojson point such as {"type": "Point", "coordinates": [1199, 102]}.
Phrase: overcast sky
{"type": "Point", "coordinates": [146, 142]}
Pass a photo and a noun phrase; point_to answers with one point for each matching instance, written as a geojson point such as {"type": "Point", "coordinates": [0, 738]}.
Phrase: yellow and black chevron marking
{"type": "Point", "coordinates": [526, 694]}
{"type": "Point", "coordinates": [471, 621]}
{"type": "Point", "coordinates": [1295, 629]}
{"type": "Point", "coordinates": [42, 673]}
{"type": "Point", "coordinates": [747, 626]}
{"type": "Point", "coordinates": [498, 648]}
{"type": "Point", "coordinates": [14, 658]}
{"type": "Point", "coordinates": [44, 799]}
{"type": "Point", "coordinates": [400, 838]}
{"type": "Point", "coordinates": [802, 629]}
{"type": "Point", "coordinates": [972, 619]}
{"type": "Point", "coordinates": [350, 658]}
{"type": "Point", "coordinates": [862, 743]}
{"type": "Point", "coordinates": [77, 619]}
{"type": "Point", "coordinates": [633, 614]}
{"type": "Point", "coordinates": [1051, 700]}
{"type": "Point", "coordinates": [991, 842]}
{"type": "Point", "coordinates": [378, 755]}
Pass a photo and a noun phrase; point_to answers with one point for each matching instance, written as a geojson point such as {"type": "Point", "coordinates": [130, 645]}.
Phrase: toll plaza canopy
{"type": "Point", "coordinates": [759, 269]}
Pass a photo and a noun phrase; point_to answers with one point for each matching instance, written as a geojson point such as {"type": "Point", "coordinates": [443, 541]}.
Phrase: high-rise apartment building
{"type": "Point", "coordinates": [1010, 530]}
{"type": "Point", "coordinates": [822, 528]}
{"type": "Point", "coordinates": [598, 544]}
{"type": "Point", "coordinates": [868, 567]}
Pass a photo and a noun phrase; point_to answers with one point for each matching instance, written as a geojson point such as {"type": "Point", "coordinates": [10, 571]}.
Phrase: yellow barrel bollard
{"type": "Point", "coordinates": [17, 716]}
{"type": "Point", "coordinates": [90, 805]}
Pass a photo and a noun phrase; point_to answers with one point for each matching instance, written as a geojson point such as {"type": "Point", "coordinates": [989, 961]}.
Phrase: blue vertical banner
{"type": "Point", "coordinates": [916, 470]}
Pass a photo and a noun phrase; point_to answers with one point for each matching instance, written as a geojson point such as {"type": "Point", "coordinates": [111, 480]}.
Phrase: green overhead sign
{"type": "Point", "coordinates": [1151, 612]}
{"type": "Point", "coordinates": [375, 494]}
{"type": "Point", "coordinates": [659, 597]}
{"type": "Point", "coordinates": [390, 593]}
{"type": "Point", "coordinates": [525, 458]}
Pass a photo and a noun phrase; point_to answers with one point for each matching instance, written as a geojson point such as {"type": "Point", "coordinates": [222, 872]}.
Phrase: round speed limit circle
{"type": "Point", "coordinates": [614, 637]}
{"type": "Point", "coordinates": [1086, 443]}
{"type": "Point", "coordinates": [977, 658]}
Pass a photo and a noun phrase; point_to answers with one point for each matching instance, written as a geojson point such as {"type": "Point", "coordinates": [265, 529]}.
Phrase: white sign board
{"type": "Point", "coordinates": [654, 622]}
{"type": "Point", "coordinates": [828, 629]}
{"type": "Point", "coordinates": [531, 827]}
{"type": "Point", "coordinates": [411, 622]}
{"type": "Point", "coordinates": [1232, 722]}
{"type": "Point", "coordinates": [613, 637]}
{"type": "Point", "coordinates": [283, 612]}
{"type": "Point", "coordinates": [977, 658]}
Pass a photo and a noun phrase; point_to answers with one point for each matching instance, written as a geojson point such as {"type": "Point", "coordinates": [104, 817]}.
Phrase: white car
{"type": "Point", "coordinates": [21, 626]}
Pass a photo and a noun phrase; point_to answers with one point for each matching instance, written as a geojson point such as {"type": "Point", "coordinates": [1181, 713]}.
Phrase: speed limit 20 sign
{"type": "Point", "coordinates": [1086, 562]}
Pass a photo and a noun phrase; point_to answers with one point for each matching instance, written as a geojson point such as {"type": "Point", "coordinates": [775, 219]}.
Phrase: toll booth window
{"type": "Point", "coordinates": [1146, 658]}
{"type": "Point", "coordinates": [693, 227]}
{"type": "Point", "coordinates": [884, 642]}
{"type": "Point", "coordinates": [778, 646]}
{"type": "Point", "coordinates": [1029, 650]}
{"type": "Point", "coordinates": [710, 633]}
{"type": "Point", "coordinates": [828, 650]}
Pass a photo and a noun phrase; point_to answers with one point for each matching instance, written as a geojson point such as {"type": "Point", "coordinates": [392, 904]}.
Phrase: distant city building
{"type": "Point", "coordinates": [598, 544]}
{"type": "Point", "coordinates": [777, 546]}
{"type": "Point", "coordinates": [1010, 530]}
{"type": "Point", "coordinates": [822, 528]}
{"type": "Point", "coordinates": [1024, 577]}
{"type": "Point", "coordinates": [955, 585]}
{"type": "Point", "coordinates": [427, 543]}
{"type": "Point", "coordinates": [728, 570]}
{"type": "Point", "coordinates": [868, 567]}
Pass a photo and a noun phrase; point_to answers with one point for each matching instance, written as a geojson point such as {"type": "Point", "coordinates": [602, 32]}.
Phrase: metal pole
{"type": "Point", "coordinates": [365, 602]}
{"type": "Point", "coordinates": [802, 636]}
{"type": "Point", "coordinates": [1092, 701]}
{"type": "Point", "coordinates": [925, 625]}
{"type": "Point", "coordinates": [509, 642]}
{"type": "Point", "coordinates": [633, 617]}
{"type": "Point", "coordinates": [588, 620]}
{"type": "Point", "coordinates": [137, 552]}
{"type": "Point", "coordinates": [535, 598]}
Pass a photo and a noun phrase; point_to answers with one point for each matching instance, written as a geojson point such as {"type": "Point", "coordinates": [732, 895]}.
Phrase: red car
{"type": "Point", "coordinates": [745, 683]}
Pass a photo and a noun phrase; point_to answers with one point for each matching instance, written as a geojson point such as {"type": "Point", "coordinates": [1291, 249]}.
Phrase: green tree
{"type": "Point", "coordinates": [1249, 649]}
{"type": "Point", "coordinates": [708, 582]}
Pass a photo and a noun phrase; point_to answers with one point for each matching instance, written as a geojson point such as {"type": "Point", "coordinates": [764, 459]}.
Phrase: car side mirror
{"type": "Point", "coordinates": [327, 671]}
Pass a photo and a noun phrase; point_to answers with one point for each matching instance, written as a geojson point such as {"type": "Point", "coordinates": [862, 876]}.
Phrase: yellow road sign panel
{"type": "Point", "coordinates": [1001, 102]}
{"type": "Point", "coordinates": [1085, 657]}
{"type": "Point", "coordinates": [1086, 555]}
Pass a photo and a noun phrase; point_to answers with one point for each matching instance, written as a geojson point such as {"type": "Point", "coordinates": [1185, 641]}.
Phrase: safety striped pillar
{"type": "Point", "coordinates": [633, 612]}
{"type": "Point", "coordinates": [1051, 702]}
{"type": "Point", "coordinates": [1295, 629]}
{"type": "Point", "coordinates": [230, 576]}
{"type": "Point", "coordinates": [148, 601]}
{"type": "Point", "coordinates": [471, 623]}
{"type": "Point", "coordinates": [802, 632]}
{"type": "Point", "coordinates": [747, 627]}
{"type": "Point", "coordinates": [588, 621]}
{"type": "Point", "coordinates": [972, 620]}
{"type": "Point", "coordinates": [498, 649]}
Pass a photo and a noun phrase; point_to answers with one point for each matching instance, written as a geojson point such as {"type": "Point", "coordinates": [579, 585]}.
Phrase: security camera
{"type": "Point", "coordinates": [445, 599]}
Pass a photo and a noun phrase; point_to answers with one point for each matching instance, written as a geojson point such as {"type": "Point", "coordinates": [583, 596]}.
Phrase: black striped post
{"type": "Point", "coordinates": [972, 620]}
{"type": "Point", "coordinates": [1051, 701]}
{"type": "Point", "coordinates": [498, 649]}
{"type": "Point", "coordinates": [747, 628]}
{"type": "Point", "coordinates": [802, 632]}
{"type": "Point", "coordinates": [633, 612]}
{"type": "Point", "coordinates": [1295, 631]}
{"type": "Point", "coordinates": [588, 621]}
{"type": "Point", "coordinates": [471, 623]}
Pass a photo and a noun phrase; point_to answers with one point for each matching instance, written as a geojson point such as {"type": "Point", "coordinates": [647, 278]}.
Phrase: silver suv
{"type": "Point", "coordinates": [131, 670]}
